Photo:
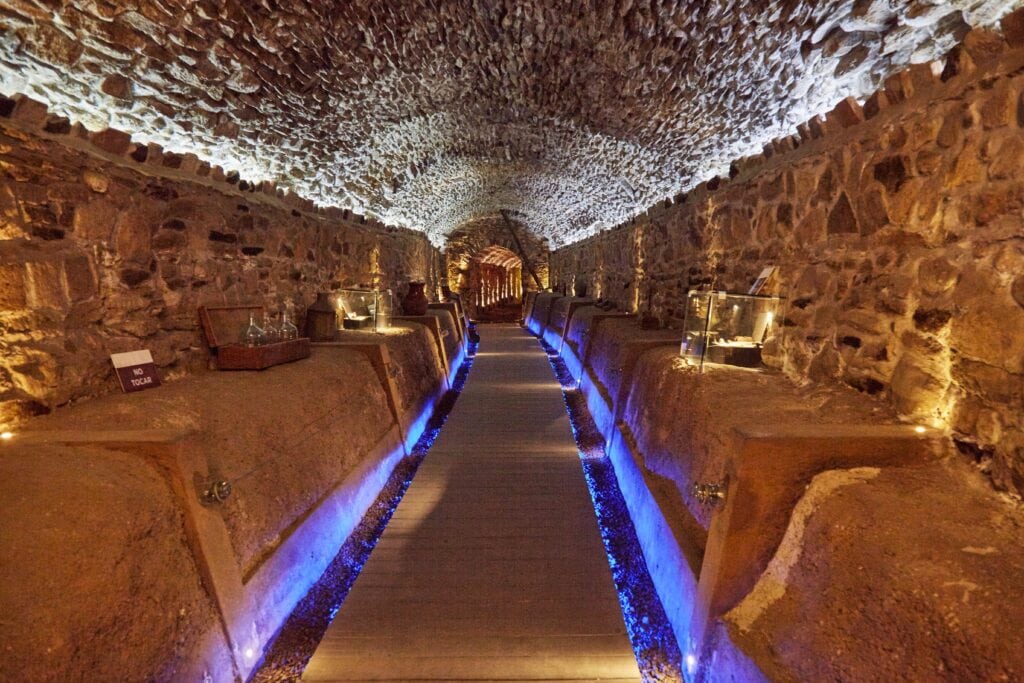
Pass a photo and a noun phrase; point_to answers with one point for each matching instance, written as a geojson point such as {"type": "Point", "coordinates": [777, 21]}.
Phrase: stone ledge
{"type": "Point", "coordinates": [582, 329]}
{"type": "Point", "coordinates": [196, 430]}
{"type": "Point", "coordinates": [540, 312]}
{"type": "Point", "coordinates": [562, 311]}
{"type": "Point", "coordinates": [896, 574]}
{"type": "Point", "coordinates": [616, 346]}
{"type": "Point", "coordinates": [766, 439]}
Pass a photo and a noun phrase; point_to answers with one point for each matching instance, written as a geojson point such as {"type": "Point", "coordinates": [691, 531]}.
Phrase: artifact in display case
{"type": "Point", "coordinates": [364, 309]}
{"type": "Point", "coordinates": [720, 327]}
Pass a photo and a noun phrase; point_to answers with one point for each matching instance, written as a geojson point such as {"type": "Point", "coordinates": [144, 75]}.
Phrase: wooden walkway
{"type": "Point", "coordinates": [492, 567]}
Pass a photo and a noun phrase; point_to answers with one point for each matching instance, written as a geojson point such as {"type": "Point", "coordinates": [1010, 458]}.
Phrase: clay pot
{"type": "Point", "coordinates": [415, 302]}
{"type": "Point", "coordinates": [321, 319]}
{"type": "Point", "coordinates": [579, 289]}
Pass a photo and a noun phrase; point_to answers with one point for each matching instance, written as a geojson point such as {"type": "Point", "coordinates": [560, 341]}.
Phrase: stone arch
{"type": "Point", "coordinates": [484, 263]}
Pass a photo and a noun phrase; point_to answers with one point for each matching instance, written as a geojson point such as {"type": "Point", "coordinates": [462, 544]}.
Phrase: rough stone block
{"type": "Point", "coordinates": [991, 330]}
{"type": "Point", "coordinates": [112, 141]}
{"type": "Point", "coordinates": [983, 45]}
{"type": "Point", "coordinates": [139, 153]}
{"type": "Point", "coordinates": [96, 181]}
{"type": "Point", "coordinates": [28, 112]}
{"type": "Point", "coordinates": [57, 125]}
{"type": "Point", "coordinates": [958, 62]}
{"type": "Point", "coordinates": [79, 132]}
{"type": "Point", "coordinates": [804, 131]}
{"type": "Point", "coordinates": [133, 276]}
{"type": "Point", "coordinates": [45, 285]}
{"type": "Point", "coordinates": [921, 77]}
{"type": "Point", "coordinates": [998, 106]}
{"type": "Point", "coordinates": [154, 154]}
{"type": "Point", "coordinates": [814, 124]}
{"type": "Point", "coordinates": [117, 86]}
{"type": "Point", "coordinates": [189, 163]}
{"type": "Point", "coordinates": [80, 278]}
{"type": "Point", "coordinates": [12, 286]}
{"type": "Point", "coordinates": [875, 104]}
{"type": "Point", "coordinates": [899, 87]}
{"type": "Point", "coordinates": [847, 113]}
{"type": "Point", "coordinates": [95, 220]}
{"type": "Point", "coordinates": [172, 160]}
{"type": "Point", "coordinates": [166, 240]}
{"type": "Point", "coordinates": [842, 219]}
{"type": "Point", "coordinates": [133, 237]}
{"type": "Point", "coordinates": [1013, 27]}
{"type": "Point", "coordinates": [951, 131]}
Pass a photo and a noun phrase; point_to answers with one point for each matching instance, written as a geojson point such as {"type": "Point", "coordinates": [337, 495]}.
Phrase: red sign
{"type": "Point", "coordinates": [135, 371]}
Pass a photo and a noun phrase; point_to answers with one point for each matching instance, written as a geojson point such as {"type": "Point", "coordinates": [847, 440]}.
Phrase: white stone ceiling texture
{"type": "Point", "coordinates": [573, 115]}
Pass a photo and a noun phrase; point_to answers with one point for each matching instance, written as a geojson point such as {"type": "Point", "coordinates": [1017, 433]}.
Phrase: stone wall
{"type": "Point", "coordinates": [109, 246]}
{"type": "Point", "coordinates": [897, 230]}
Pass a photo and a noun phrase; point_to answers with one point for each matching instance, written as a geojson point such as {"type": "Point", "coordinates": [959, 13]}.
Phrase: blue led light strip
{"type": "Point", "coordinates": [654, 643]}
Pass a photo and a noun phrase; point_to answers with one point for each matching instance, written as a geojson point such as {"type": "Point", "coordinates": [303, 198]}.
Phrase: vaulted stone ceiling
{"type": "Point", "coordinates": [573, 116]}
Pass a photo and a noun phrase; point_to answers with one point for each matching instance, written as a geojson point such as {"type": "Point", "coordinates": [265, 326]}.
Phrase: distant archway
{"type": "Point", "coordinates": [485, 265]}
{"type": "Point", "coordinates": [495, 278]}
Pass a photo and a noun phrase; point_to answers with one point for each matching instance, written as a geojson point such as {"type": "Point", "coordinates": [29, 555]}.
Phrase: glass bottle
{"type": "Point", "coordinates": [288, 328]}
{"type": "Point", "coordinates": [253, 335]}
{"type": "Point", "coordinates": [270, 328]}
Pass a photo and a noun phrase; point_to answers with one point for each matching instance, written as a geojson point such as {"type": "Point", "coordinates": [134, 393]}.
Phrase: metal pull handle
{"type": "Point", "coordinates": [216, 492]}
{"type": "Point", "coordinates": [708, 493]}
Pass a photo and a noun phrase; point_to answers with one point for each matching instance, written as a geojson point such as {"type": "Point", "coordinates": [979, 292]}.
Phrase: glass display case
{"type": "Point", "coordinates": [364, 309]}
{"type": "Point", "coordinates": [720, 327]}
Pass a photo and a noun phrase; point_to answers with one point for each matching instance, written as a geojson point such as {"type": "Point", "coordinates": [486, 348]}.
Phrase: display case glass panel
{"type": "Point", "coordinates": [720, 327]}
{"type": "Point", "coordinates": [364, 309]}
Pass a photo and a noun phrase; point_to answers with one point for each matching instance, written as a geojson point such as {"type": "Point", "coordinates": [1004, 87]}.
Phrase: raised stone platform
{"type": "Point", "coordinates": [755, 585]}
{"type": "Point", "coordinates": [102, 502]}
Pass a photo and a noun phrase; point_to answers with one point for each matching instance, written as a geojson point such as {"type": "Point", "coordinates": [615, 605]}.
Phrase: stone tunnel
{"type": "Point", "coordinates": [614, 340]}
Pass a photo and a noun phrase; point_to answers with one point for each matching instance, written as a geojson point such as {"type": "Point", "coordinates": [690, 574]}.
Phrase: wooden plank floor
{"type": "Point", "coordinates": [492, 567]}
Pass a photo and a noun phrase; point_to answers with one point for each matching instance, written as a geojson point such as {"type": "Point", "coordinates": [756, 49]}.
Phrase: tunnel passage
{"type": "Point", "coordinates": [494, 280]}
{"type": "Point", "coordinates": [159, 157]}
{"type": "Point", "coordinates": [492, 567]}
{"type": "Point", "coordinates": [492, 262]}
